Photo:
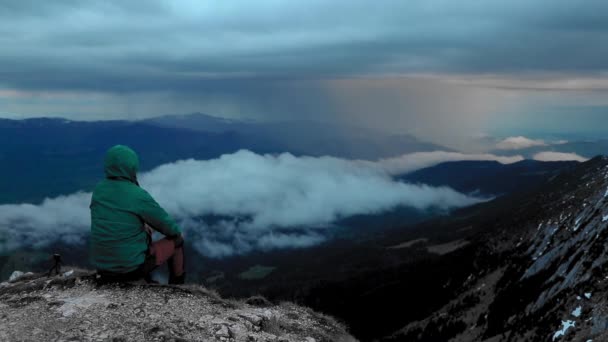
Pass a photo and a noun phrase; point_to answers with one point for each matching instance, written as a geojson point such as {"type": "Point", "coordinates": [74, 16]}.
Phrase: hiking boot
{"type": "Point", "coordinates": [177, 280]}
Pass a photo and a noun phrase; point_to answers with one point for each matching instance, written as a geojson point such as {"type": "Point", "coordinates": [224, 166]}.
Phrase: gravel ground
{"type": "Point", "coordinates": [75, 308]}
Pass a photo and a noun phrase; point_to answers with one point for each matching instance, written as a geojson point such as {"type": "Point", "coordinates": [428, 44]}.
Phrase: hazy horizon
{"type": "Point", "coordinates": [443, 71]}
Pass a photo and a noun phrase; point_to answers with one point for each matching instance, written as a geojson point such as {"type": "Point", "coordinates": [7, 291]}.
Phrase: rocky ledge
{"type": "Point", "coordinates": [73, 307]}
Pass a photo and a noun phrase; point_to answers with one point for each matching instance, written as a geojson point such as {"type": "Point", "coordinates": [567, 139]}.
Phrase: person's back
{"type": "Point", "coordinates": [120, 209]}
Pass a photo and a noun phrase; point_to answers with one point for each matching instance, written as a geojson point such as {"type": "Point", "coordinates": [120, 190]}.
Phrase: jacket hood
{"type": "Point", "coordinates": [121, 162]}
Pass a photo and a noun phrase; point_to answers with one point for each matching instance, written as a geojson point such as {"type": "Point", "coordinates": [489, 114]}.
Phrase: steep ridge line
{"type": "Point", "coordinates": [550, 280]}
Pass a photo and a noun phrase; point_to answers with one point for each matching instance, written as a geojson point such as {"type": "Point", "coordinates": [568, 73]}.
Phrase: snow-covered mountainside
{"type": "Point", "coordinates": [72, 307]}
{"type": "Point", "coordinates": [542, 271]}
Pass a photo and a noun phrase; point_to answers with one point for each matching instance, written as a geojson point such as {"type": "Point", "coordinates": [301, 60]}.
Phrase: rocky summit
{"type": "Point", "coordinates": [72, 307]}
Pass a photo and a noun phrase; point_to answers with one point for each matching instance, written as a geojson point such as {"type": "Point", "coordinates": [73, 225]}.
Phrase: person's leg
{"type": "Point", "coordinates": [164, 251]}
{"type": "Point", "coordinates": [176, 266]}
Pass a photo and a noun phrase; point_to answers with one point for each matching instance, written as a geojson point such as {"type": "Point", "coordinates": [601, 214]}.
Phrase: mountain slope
{"type": "Point", "coordinates": [488, 178]}
{"type": "Point", "coordinates": [548, 281]}
{"type": "Point", "coordinates": [384, 283]}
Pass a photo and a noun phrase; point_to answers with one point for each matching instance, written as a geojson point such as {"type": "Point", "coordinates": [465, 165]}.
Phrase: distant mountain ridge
{"type": "Point", "coordinates": [307, 137]}
{"type": "Point", "coordinates": [48, 157]}
{"type": "Point", "coordinates": [587, 149]}
{"type": "Point", "coordinates": [44, 157]}
{"type": "Point", "coordinates": [489, 178]}
{"type": "Point", "coordinates": [199, 122]}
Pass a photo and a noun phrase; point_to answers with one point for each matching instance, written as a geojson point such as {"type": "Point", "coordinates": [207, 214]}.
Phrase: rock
{"type": "Point", "coordinates": [253, 319]}
{"type": "Point", "coordinates": [205, 318]}
{"type": "Point", "coordinates": [239, 332]}
{"type": "Point", "coordinates": [258, 301]}
{"type": "Point", "coordinates": [15, 275]}
{"type": "Point", "coordinates": [75, 308]}
{"type": "Point", "coordinates": [600, 324]}
{"type": "Point", "coordinates": [219, 321]}
{"type": "Point", "coordinates": [223, 331]}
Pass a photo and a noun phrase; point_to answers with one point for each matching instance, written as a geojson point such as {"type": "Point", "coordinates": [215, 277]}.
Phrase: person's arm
{"type": "Point", "coordinates": [155, 216]}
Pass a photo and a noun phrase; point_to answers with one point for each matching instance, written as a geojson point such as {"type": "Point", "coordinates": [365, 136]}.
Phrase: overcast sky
{"type": "Point", "coordinates": [438, 69]}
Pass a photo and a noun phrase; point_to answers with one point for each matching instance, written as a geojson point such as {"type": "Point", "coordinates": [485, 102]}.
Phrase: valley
{"type": "Point", "coordinates": [385, 275]}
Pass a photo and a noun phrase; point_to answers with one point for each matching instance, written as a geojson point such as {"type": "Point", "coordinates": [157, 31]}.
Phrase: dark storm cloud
{"type": "Point", "coordinates": [193, 46]}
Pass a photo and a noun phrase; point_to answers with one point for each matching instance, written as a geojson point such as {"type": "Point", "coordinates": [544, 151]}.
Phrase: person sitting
{"type": "Point", "coordinates": [121, 247]}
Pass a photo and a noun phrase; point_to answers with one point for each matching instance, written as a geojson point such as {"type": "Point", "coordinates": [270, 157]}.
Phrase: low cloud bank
{"type": "Point", "coordinates": [258, 202]}
{"type": "Point", "coordinates": [518, 143]}
{"type": "Point", "coordinates": [63, 218]}
{"type": "Point", "coordinates": [558, 156]}
{"type": "Point", "coordinates": [420, 160]}
{"type": "Point", "coordinates": [521, 143]}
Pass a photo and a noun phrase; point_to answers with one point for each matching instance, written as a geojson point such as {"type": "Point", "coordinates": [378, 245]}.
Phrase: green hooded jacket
{"type": "Point", "coordinates": [119, 209]}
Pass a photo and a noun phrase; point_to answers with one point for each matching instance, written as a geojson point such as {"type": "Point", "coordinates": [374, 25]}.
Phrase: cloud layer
{"type": "Point", "coordinates": [558, 156]}
{"type": "Point", "coordinates": [419, 160]}
{"type": "Point", "coordinates": [245, 201]}
{"type": "Point", "coordinates": [465, 63]}
{"type": "Point", "coordinates": [518, 143]}
{"type": "Point", "coordinates": [152, 45]}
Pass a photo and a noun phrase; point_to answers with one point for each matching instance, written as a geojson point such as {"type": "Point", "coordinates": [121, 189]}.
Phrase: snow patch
{"type": "Point", "coordinates": [15, 275]}
{"type": "Point", "coordinates": [577, 312]}
{"type": "Point", "coordinates": [588, 295]}
{"type": "Point", "coordinates": [565, 326]}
